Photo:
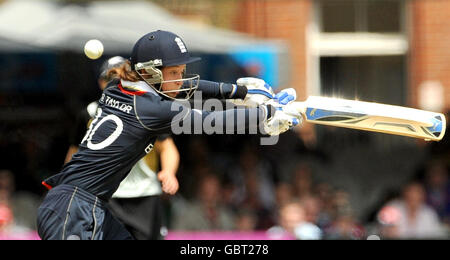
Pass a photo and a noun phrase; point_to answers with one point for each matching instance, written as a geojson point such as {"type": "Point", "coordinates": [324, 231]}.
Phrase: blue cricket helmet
{"type": "Point", "coordinates": [165, 46]}
{"type": "Point", "coordinates": [162, 49]}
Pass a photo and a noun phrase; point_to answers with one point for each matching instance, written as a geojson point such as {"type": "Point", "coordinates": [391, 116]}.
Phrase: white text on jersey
{"type": "Point", "coordinates": [111, 102]}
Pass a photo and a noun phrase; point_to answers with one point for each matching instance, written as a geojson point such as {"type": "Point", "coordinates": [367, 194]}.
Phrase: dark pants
{"type": "Point", "coordinates": [70, 213]}
{"type": "Point", "coordinates": [142, 216]}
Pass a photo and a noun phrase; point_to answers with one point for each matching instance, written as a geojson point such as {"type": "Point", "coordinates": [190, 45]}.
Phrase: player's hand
{"type": "Point", "coordinates": [286, 96]}
{"type": "Point", "coordinates": [258, 92]}
{"type": "Point", "coordinates": [169, 182]}
{"type": "Point", "coordinates": [285, 99]}
{"type": "Point", "coordinates": [285, 116]}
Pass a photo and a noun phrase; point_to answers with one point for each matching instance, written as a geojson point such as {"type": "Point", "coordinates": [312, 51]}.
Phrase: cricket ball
{"type": "Point", "coordinates": [93, 49]}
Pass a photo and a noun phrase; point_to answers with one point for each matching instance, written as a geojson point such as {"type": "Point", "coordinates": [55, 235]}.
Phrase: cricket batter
{"type": "Point", "coordinates": [136, 203]}
{"type": "Point", "coordinates": [133, 111]}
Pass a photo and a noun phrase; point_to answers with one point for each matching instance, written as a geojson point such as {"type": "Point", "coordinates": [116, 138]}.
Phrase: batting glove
{"type": "Point", "coordinates": [286, 96]}
{"type": "Point", "coordinates": [258, 92]}
{"type": "Point", "coordinates": [285, 116]}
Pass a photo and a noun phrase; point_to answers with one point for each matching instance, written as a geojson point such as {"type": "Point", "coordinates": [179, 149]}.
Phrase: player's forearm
{"type": "Point", "coordinates": [181, 118]}
{"type": "Point", "coordinates": [170, 158]}
{"type": "Point", "coordinates": [211, 89]}
{"type": "Point", "coordinates": [240, 120]}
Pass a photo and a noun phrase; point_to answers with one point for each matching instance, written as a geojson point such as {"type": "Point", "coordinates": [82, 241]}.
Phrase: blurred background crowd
{"type": "Point", "coordinates": [228, 183]}
{"type": "Point", "coordinates": [317, 182]}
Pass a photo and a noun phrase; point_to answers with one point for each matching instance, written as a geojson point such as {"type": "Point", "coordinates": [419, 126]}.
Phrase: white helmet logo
{"type": "Point", "coordinates": [181, 45]}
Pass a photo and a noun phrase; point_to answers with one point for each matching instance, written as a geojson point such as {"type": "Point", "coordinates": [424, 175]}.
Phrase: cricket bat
{"type": "Point", "coordinates": [374, 117]}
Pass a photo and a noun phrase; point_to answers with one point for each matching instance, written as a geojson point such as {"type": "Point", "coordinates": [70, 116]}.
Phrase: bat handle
{"type": "Point", "coordinates": [293, 109]}
{"type": "Point", "coordinates": [299, 106]}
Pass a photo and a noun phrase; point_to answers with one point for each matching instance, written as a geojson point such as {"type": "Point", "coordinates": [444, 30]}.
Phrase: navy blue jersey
{"type": "Point", "coordinates": [130, 116]}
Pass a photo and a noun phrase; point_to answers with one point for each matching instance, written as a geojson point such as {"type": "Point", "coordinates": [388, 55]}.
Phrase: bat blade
{"type": "Point", "coordinates": [376, 117]}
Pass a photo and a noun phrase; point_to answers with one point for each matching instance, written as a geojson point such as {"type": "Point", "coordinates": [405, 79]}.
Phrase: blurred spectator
{"type": "Point", "coordinates": [316, 212]}
{"type": "Point", "coordinates": [313, 208]}
{"type": "Point", "coordinates": [207, 211]}
{"type": "Point", "coordinates": [388, 218]}
{"type": "Point", "coordinates": [245, 220]}
{"type": "Point", "coordinates": [254, 189]}
{"type": "Point", "coordinates": [437, 189]}
{"type": "Point", "coordinates": [344, 224]}
{"type": "Point", "coordinates": [194, 164]}
{"type": "Point", "coordinates": [324, 194]}
{"type": "Point", "coordinates": [283, 193]}
{"type": "Point", "coordinates": [292, 221]}
{"type": "Point", "coordinates": [6, 217]}
{"type": "Point", "coordinates": [6, 214]}
{"type": "Point", "coordinates": [302, 180]}
{"type": "Point", "coordinates": [17, 209]}
{"type": "Point", "coordinates": [409, 217]}
{"type": "Point", "coordinates": [345, 227]}
{"type": "Point", "coordinates": [341, 203]}
{"type": "Point", "coordinates": [323, 191]}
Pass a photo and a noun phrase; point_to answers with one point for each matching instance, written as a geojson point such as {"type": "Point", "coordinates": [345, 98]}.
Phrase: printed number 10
{"type": "Point", "coordinates": [93, 127]}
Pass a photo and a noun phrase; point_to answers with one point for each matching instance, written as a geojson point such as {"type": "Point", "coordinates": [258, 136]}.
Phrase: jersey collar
{"type": "Point", "coordinates": [135, 88]}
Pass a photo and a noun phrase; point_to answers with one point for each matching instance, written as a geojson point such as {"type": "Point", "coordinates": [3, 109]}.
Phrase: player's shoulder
{"type": "Point", "coordinates": [147, 99]}
{"type": "Point", "coordinates": [137, 88]}
{"type": "Point", "coordinates": [147, 103]}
